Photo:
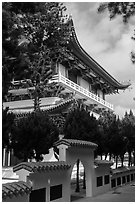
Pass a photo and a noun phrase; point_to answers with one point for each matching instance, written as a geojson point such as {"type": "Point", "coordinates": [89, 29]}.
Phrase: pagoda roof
{"type": "Point", "coordinates": [56, 108]}
{"type": "Point", "coordinates": [81, 54]}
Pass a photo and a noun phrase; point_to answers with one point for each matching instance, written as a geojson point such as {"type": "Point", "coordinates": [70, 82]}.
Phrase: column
{"type": "Point", "coordinates": [9, 158]}
{"type": "Point", "coordinates": [48, 191]}
{"type": "Point", "coordinates": [4, 156]}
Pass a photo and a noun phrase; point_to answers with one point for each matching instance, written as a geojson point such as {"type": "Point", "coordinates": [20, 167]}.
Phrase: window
{"type": "Point", "coordinates": [106, 179]}
{"type": "Point", "coordinates": [55, 192]}
{"type": "Point", "coordinates": [72, 76]}
{"type": "Point", "coordinates": [113, 183]}
{"type": "Point", "coordinates": [123, 179]}
{"type": "Point", "coordinates": [128, 178]}
{"type": "Point", "coordinates": [118, 181]}
{"type": "Point", "coordinates": [99, 181]}
{"type": "Point", "coordinates": [132, 177]}
{"type": "Point", "coordinates": [38, 195]}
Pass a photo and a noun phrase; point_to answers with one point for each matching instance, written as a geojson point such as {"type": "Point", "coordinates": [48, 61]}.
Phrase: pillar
{"type": "Point", "coordinates": [90, 181]}
{"type": "Point", "coordinates": [9, 158]}
{"type": "Point", "coordinates": [4, 156]}
{"type": "Point", "coordinates": [62, 152]}
{"type": "Point", "coordinates": [48, 191]}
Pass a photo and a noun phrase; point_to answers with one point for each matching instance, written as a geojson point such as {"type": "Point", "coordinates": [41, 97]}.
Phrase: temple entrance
{"type": "Point", "coordinates": [70, 151]}
{"type": "Point", "coordinates": [78, 181]}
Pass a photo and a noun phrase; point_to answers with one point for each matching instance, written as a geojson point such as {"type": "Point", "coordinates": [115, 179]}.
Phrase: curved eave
{"type": "Point", "coordinates": [79, 52]}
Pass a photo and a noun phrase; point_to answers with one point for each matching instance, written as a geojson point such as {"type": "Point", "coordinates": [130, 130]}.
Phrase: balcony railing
{"type": "Point", "coordinates": [81, 90]}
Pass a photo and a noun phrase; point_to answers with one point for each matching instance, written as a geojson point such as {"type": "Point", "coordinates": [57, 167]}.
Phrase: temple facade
{"type": "Point", "coordinates": [78, 77]}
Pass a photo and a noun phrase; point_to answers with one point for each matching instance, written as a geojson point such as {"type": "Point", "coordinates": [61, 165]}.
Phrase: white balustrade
{"type": "Point", "coordinates": [76, 87]}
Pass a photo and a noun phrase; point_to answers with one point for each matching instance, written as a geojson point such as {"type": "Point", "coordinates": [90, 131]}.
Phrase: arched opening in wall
{"type": "Point", "coordinates": [78, 181]}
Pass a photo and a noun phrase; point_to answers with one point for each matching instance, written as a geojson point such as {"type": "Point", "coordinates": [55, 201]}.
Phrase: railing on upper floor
{"type": "Point", "coordinates": [81, 90]}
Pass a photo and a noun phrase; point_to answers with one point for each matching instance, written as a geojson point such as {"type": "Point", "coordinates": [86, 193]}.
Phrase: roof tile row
{"type": "Point", "coordinates": [15, 188]}
{"type": "Point", "coordinates": [41, 166]}
{"type": "Point", "coordinates": [72, 142]}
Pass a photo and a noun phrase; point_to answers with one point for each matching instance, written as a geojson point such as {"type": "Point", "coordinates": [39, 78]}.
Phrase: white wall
{"type": "Point", "coordinates": [86, 156]}
{"type": "Point", "coordinates": [52, 178]}
{"type": "Point", "coordinates": [102, 171]}
{"type": "Point", "coordinates": [47, 179]}
{"type": "Point", "coordinates": [117, 175]}
{"type": "Point", "coordinates": [62, 70]}
{"type": "Point", "coordinates": [83, 83]}
{"type": "Point", "coordinates": [100, 93]}
{"type": "Point", "coordinates": [22, 173]}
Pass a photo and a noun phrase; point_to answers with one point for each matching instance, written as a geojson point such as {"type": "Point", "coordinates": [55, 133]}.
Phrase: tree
{"type": "Point", "coordinates": [80, 125]}
{"type": "Point", "coordinates": [114, 142]}
{"type": "Point", "coordinates": [128, 131]}
{"type": "Point", "coordinates": [7, 128]}
{"type": "Point", "coordinates": [105, 121]}
{"type": "Point", "coordinates": [117, 142]}
{"type": "Point", "coordinates": [10, 50]}
{"type": "Point", "coordinates": [125, 9]}
{"type": "Point", "coordinates": [42, 33]}
{"type": "Point", "coordinates": [33, 136]}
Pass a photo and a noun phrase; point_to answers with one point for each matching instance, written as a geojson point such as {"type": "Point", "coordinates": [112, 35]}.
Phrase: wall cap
{"type": "Point", "coordinates": [41, 166]}
{"type": "Point", "coordinates": [73, 142]}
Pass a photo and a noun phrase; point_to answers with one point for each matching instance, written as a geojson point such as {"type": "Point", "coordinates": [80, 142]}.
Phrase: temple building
{"type": "Point", "coordinates": [81, 77]}
{"type": "Point", "coordinates": [78, 76]}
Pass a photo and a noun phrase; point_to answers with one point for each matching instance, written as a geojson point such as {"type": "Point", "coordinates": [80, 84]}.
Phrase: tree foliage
{"type": "Point", "coordinates": [124, 9]}
{"type": "Point", "coordinates": [7, 128]}
{"type": "Point", "coordinates": [33, 136]}
{"type": "Point", "coordinates": [128, 131]}
{"type": "Point", "coordinates": [80, 125]}
{"type": "Point", "coordinates": [38, 34]}
{"type": "Point", "coordinates": [119, 135]}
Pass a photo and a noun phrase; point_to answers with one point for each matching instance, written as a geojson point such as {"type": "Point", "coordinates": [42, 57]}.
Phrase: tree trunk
{"type": "Point", "coordinates": [84, 180]}
{"type": "Point", "coordinates": [106, 156]}
{"type": "Point", "coordinates": [122, 160]}
{"type": "Point", "coordinates": [36, 98]}
{"type": "Point", "coordinates": [133, 158]}
{"type": "Point", "coordinates": [116, 161]}
{"type": "Point", "coordinates": [110, 155]}
{"type": "Point", "coordinates": [77, 179]}
{"type": "Point", "coordinates": [129, 158]}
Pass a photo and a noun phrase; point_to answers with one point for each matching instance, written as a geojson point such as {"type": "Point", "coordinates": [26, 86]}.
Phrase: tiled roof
{"type": "Point", "coordinates": [23, 112]}
{"type": "Point", "coordinates": [15, 188]}
{"type": "Point", "coordinates": [41, 166]}
{"type": "Point", "coordinates": [102, 162]}
{"type": "Point", "coordinates": [29, 104]}
{"type": "Point", "coordinates": [97, 69]}
{"type": "Point", "coordinates": [72, 142]}
{"type": "Point", "coordinates": [59, 105]}
{"type": "Point", "coordinates": [122, 169]}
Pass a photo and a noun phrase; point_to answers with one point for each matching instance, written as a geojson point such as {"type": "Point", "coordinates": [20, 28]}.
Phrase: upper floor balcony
{"type": "Point", "coordinates": [81, 93]}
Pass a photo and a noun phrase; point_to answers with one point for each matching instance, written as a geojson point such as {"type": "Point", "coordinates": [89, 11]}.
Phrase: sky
{"type": "Point", "coordinates": [109, 43]}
